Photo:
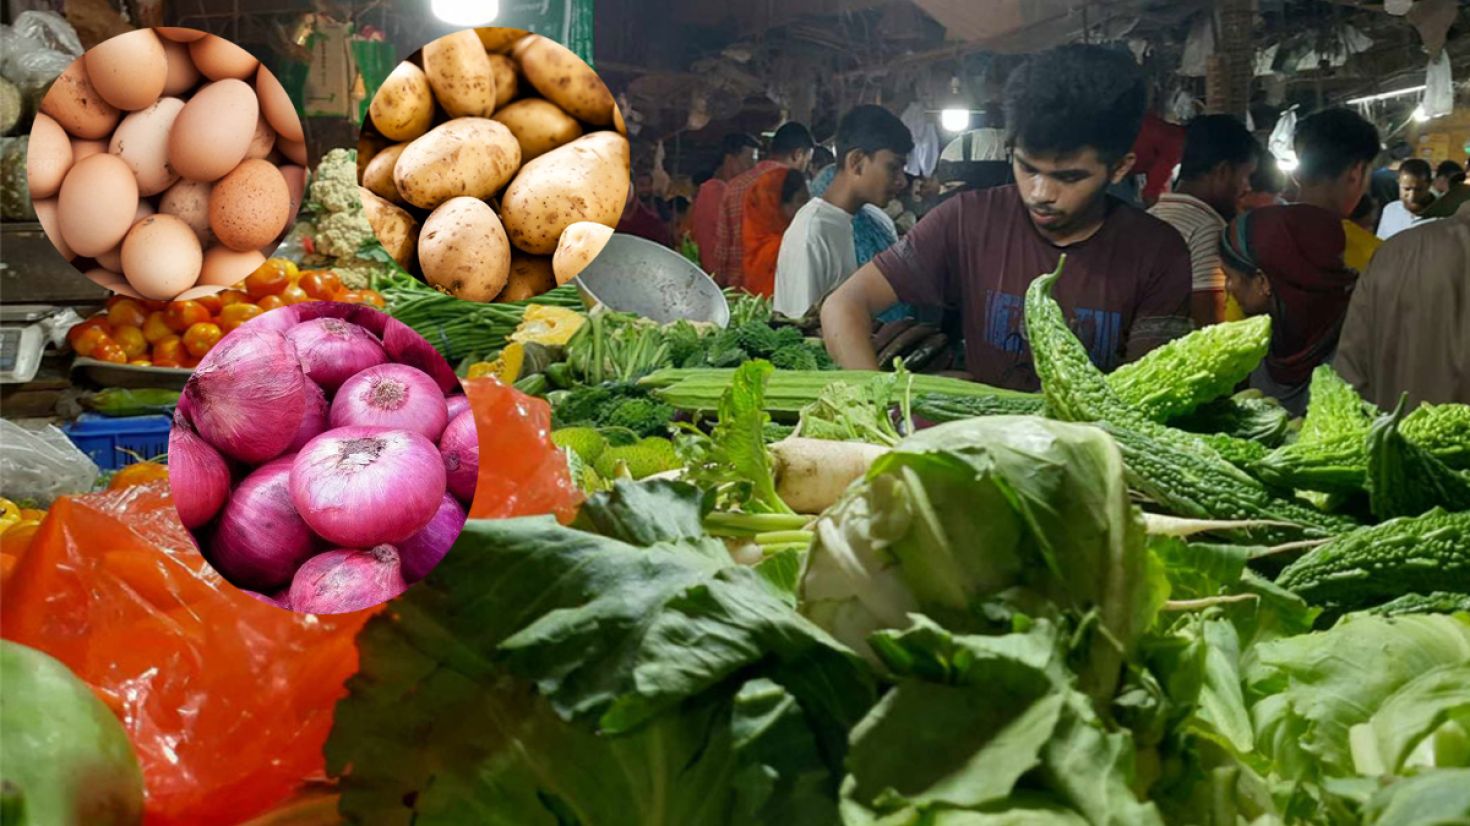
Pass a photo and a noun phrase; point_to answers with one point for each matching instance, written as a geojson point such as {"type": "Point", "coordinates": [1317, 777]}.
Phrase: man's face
{"type": "Point", "coordinates": [1060, 191]}
{"type": "Point", "coordinates": [1441, 184]}
{"type": "Point", "coordinates": [742, 161]}
{"type": "Point", "coordinates": [1229, 183]}
{"type": "Point", "coordinates": [880, 176]}
{"type": "Point", "coordinates": [1414, 192]}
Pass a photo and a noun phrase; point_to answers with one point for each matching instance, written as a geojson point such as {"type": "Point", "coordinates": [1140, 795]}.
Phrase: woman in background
{"type": "Point", "coordinates": [769, 207]}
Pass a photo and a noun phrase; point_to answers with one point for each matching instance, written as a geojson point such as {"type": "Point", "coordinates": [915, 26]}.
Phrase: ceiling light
{"type": "Point", "coordinates": [1386, 95]}
{"type": "Point", "coordinates": [1287, 164]}
{"type": "Point", "coordinates": [1420, 114]}
{"type": "Point", "coordinates": [954, 120]}
{"type": "Point", "coordinates": [465, 12]}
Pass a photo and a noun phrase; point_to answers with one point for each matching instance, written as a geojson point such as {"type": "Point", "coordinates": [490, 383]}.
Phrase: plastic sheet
{"type": "Point", "coordinates": [227, 700]}
{"type": "Point", "coordinates": [42, 464]}
{"type": "Point", "coordinates": [521, 472]}
{"type": "Point", "coordinates": [37, 48]}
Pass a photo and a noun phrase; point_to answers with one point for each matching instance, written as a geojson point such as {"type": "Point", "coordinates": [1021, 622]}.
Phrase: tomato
{"type": "Point", "coordinates": [181, 315]}
{"type": "Point", "coordinates": [210, 302]}
{"type": "Point", "coordinates": [85, 343]}
{"type": "Point", "coordinates": [236, 314]}
{"type": "Point", "coordinates": [229, 297]}
{"type": "Point", "coordinates": [109, 351]}
{"type": "Point", "coordinates": [138, 473]}
{"type": "Point", "coordinates": [156, 327]}
{"type": "Point", "coordinates": [189, 361]}
{"type": "Point", "coordinates": [270, 278]}
{"type": "Point", "coordinates": [131, 340]}
{"type": "Point", "coordinates": [369, 297]}
{"type": "Point", "coordinates": [323, 284]}
{"type": "Point", "coordinates": [98, 323]}
{"type": "Point", "coordinates": [200, 337]}
{"type": "Point", "coordinates": [270, 302]}
{"type": "Point", "coordinates": [126, 313]}
{"type": "Point", "coordinates": [168, 352]}
{"type": "Point", "coordinates": [294, 294]}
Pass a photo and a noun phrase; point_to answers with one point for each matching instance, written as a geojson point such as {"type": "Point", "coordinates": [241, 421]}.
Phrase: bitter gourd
{"type": "Point", "coordinates": [1174, 468]}
{"type": "Point", "coordinates": [1439, 602]}
{"type": "Point", "coordinates": [1177, 377]}
{"type": "Point", "coordinates": [1239, 452]}
{"type": "Point", "coordinates": [1246, 415]}
{"type": "Point", "coordinates": [1374, 564]}
{"type": "Point", "coordinates": [1443, 430]}
{"type": "Point", "coordinates": [1403, 478]}
{"type": "Point", "coordinates": [1330, 454]}
{"type": "Point", "coordinates": [940, 408]}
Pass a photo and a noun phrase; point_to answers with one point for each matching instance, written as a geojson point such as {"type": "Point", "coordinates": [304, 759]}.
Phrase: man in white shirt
{"type": "Point", "coordinates": [1415, 196]}
{"type": "Point", "coordinates": [1220, 155]}
{"type": "Point", "coordinates": [817, 251]}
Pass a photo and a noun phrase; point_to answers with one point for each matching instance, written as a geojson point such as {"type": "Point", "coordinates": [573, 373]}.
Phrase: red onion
{"type": "Point", "coordinates": [363, 486]}
{"type": "Point", "coordinates": [406, 346]}
{"type": "Point", "coordinates": [344, 580]}
{"type": "Point", "coordinates": [198, 476]}
{"type": "Point", "coordinates": [261, 539]}
{"type": "Point", "coordinates": [279, 320]}
{"type": "Point", "coordinates": [422, 551]}
{"type": "Point", "coordinates": [457, 404]}
{"type": "Point", "coordinates": [369, 318]}
{"type": "Point", "coordinates": [461, 452]}
{"type": "Point", "coordinates": [333, 350]}
{"type": "Point", "coordinates": [314, 422]}
{"type": "Point", "coordinates": [394, 396]}
{"type": "Point", "coordinates": [248, 395]}
{"type": "Point", "coordinates": [280, 600]}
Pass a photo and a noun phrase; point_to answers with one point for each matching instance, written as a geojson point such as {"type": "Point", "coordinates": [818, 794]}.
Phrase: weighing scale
{"type": "Point", "coordinates": [25, 330]}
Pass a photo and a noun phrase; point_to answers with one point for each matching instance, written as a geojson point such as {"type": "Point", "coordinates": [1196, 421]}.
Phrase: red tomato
{"type": "Point", "coordinates": [109, 351]}
{"type": "Point", "coordinates": [323, 284]}
{"type": "Point", "coordinates": [229, 297]}
{"type": "Point", "coordinates": [96, 322]}
{"type": "Point", "coordinates": [168, 352]}
{"type": "Point", "coordinates": [236, 314]}
{"type": "Point", "coordinates": [90, 337]}
{"type": "Point", "coordinates": [156, 327]}
{"type": "Point", "coordinates": [270, 302]}
{"type": "Point", "coordinates": [126, 313]}
{"type": "Point", "coordinates": [269, 278]}
{"type": "Point", "coordinates": [369, 297]}
{"type": "Point", "coordinates": [294, 294]}
{"type": "Point", "coordinates": [210, 302]}
{"type": "Point", "coordinates": [131, 340]}
{"type": "Point", "coordinates": [181, 315]}
{"type": "Point", "coordinates": [200, 337]}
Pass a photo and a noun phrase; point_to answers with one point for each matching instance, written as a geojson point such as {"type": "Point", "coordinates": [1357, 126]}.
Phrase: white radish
{"type": "Point", "coordinates": [812, 474]}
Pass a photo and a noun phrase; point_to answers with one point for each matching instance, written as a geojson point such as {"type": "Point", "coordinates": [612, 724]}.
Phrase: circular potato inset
{"type": "Point", "coordinates": [403, 107]}
{"type": "Point", "coordinates": [539, 126]}
{"type": "Point", "coordinates": [463, 156]}
{"type": "Point", "coordinates": [464, 251]}
{"type": "Point", "coordinates": [586, 180]}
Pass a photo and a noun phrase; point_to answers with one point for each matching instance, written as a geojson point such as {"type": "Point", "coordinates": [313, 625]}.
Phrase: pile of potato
{"type": "Point", "coordinates": [495, 163]}
{"type": "Point", "coordinates": [166, 163]}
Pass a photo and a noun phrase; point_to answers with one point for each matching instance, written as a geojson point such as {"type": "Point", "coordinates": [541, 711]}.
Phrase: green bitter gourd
{"type": "Point", "coordinates": [1403, 478]}
{"type": "Point", "coordinates": [1177, 377]}
{"type": "Point", "coordinates": [1329, 455]}
{"type": "Point", "coordinates": [1443, 430]}
{"type": "Point", "coordinates": [1438, 602]}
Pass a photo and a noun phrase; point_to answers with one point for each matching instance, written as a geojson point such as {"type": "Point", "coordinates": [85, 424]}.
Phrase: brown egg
{"type": "Point", "coordinates": [179, 34]}
{"type": "Point", "coordinates": [263, 142]}
{"type": "Point", "coordinates": [296, 182]}
{"type": "Point", "coordinates": [96, 204]}
{"type": "Point", "coordinates": [213, 133]}
{"type": "Point", "coordinates": [294, 152]}
{"type": "Point", "coordinates": [112, 259]}
{"type": "Point", "coordinates": [199, 292]}
{"type": "Point", "coordinates": [182, 73]}
{"type": "Point", "coordinates": [218, 58]}
{"type": "Point", "coordinates": [189, 202]}
{"type": "Point", "coordinates": [249, 207]}
{"type": "Point", "coordinates": [161, 257]}
{"type": "Point", "coordinates": [85, 149]}
{"type": "Point", "coordinates": [46, 214]}
{"type": "Point", "coordinates": [75, 104]}
{"type": "Point", "coordinates": [224, 267]}
{"type": "Point", "coordinates": [142, 140]}
{"type": "Point", "coordinates": [276, 105]}
{"type": "Point", "coordinates": [129, 71]}
{"type": "Point", "coordinates": [49, 155]}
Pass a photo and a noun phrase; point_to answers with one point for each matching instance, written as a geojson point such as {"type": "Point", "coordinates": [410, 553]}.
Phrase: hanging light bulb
{"type": "Point", "coordinates": [955, 116]}
{"type": "Point", "coordinates": [1420, 114]}
{"type": "Point", "coordinates": [465, 12]}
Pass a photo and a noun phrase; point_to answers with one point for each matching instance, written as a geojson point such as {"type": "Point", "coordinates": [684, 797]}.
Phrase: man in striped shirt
{"type": "Point", "coordinates": [1220, 156]}
{"type": "Point", "coordinates": [791, 147]}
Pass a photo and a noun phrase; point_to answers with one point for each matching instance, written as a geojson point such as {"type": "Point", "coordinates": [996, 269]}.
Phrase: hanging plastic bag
{"type": "Point", "coordinates": [40, 465]}
{"type": "Point", "coordinates": [1198, 46]}
{"type": "Point", "coordinates": [227, 700]}
{"type": "Point", "coordinates": [529, 473]}
{"type": "Point", "coordinates": [1439, 87]}
{"type": "Point", "coordinates": [1282, 142]}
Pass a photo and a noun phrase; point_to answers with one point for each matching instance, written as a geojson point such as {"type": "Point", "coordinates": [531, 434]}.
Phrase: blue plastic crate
{"type": "Point", "coordinates": [100, 437]}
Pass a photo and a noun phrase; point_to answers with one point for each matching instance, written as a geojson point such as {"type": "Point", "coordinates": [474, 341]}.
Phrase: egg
{"type": "Point", "coordinates": [182, 73]}
{"type": "Point", "coordinates": [75, 104]}
{"type": "Point", "coordinates": [142, 141]}
{"type": "Point", "coordinates": [249, 207]}
{"type": "Point", "coordinates": [112, 259]}
{"type": "Point", "coordinates": [161, 257]}
{"type": "Point", "coordinates": [49, 155]}
{"type": "Point", "coordinates": [276, 105]}
{"type": "Point", "coordinates": [218, 58]}
{"type": "Point", "coordinates": [263, 142]}
{"type": "Point", "coordinates": [84, 149]}
{"type": "Point", "coordinates": [179, 34]}
{"type": "Point", "coordinates": [198, 292]}
{"type": "Point", "coordinates": [224, 267]}
{"type": "Point", "coordinates": [129, 71]}
{"type": "Point", "coordinates": [46, 214]}
{"type": "Point", "coordinates": [189, 202]}
{"type": "Point", "coordinates": [96, 204]}
{"type": "Point", "coordinates": [296, 182]}
{"type": "Point", "coordinates": [294, 152]}
{"type": "Point", "coordinates": [213, 133]}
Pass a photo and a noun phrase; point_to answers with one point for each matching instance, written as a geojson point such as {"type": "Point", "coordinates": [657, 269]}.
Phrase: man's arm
{"type": "Point", "coordinates": [847, 317]}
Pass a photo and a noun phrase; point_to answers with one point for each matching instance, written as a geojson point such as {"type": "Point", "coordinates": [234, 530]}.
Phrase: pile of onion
{"type": "Point", "coordinates": [324, 459]}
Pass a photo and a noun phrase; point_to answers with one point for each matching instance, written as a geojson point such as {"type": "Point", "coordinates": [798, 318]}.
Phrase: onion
{"type": "Point", "coordinates": [369, 318]}
{"type": "Point", "coordinates": [406, 346]}
{"type": "Point", "coordinates": [248, 395]}
{"type": "Point", "coordinates": [279, 320]}
{"type": "Point", "coordinates": [394, 396]}
{"type": "Point", "coordinates": [198, 476]}
{"type": "Point", "coordinates": [344, 580]}
{"type": "Point", "coordinates": [333, 350]}
{"type": "Point", "coordinates": [363, 486]}
{"type": "Point", "coordinates": [314, 421]}
{"type": "Point", "coordinates": [457, 404]}
{"type": "Point", "coordinates": [422, 551]}
{"type": "Point", "coordinates": [261, 539]}
{"type": "Point", "coordinates": [460, 450]}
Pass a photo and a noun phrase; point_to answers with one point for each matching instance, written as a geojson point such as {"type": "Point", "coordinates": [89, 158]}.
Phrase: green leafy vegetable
{"type": "Point", "coordinates": [733, 459]}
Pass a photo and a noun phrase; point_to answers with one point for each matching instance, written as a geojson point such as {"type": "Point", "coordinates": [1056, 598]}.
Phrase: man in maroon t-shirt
{"type": "Point", "coordinates": [1072, 114]}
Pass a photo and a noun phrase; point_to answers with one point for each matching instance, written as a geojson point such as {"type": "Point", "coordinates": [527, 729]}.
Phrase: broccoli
{"type": "Point", "coordinates": [786, 336]}
{"type": "Point", "coordinates": [757, 339]}
{"type": "Point", "coordinates": [581, 406]}
{"type": "Point", "coordinates": [794, 357]}
{"type": "Point", "coordinates": [647, 457]}
{"type": "Point", "coordinates": [684, 342]}
{"type": "Point", "coordinates": [619, 406]}
{"type": "Point", "coordinates": [645, 417]}
{"type": "Point", "coordinates": [586, 442]}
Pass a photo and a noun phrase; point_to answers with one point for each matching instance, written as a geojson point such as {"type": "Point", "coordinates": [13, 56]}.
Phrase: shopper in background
{"type": "Point", "coordinates": [643, 221]}
{"type": "Point", "coordinates": [818, 251]}
{"type": "Point", "coordinates": [1336, 148]}
{"type": "Point", "coordinates": [1366, 213]}
{"type": "Point", "coordinates": [1445, 176]}
{"type": "Point", "coordinates": [1220, 155]}
{"type": "Point", "coordinates": [1385, 184]}
{"type": "Point", "coordinates": [1414, 197]}
{"type": "Point", "coordinates": [1408, 323]}
{"type": "Point", "coordinates": [791, 147]}
{"type": "Point", "coordinates": [822, 160]}
{"type": "Point", "coordinates": [1287, 261]}
{"type": "Point", "coordinates": [769, 207]}
{"type": "Point", "coordinates": [1267, 184]}
{"type": "Point", "coordinates": [737, 154]}
{"type": "Point", "coordinates": [1449, 182]}
{"type": "Point", "coordinates": [1158, 149]}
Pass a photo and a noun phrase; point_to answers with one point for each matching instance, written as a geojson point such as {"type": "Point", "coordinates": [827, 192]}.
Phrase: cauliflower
{"type": "Point", "coordinates": [340, 228]}
{"type": "Point", "coordinates": [341, 234]}
{"type": "Point", "coordinates": [334, 185]}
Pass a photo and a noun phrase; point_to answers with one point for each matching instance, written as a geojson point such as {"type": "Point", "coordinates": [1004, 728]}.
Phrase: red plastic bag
{"type": "Point", "coordinates": [227, 700]}
{"type": "Point", "coordinates": [522, 473]}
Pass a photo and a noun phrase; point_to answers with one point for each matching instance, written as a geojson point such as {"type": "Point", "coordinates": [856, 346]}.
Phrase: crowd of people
{"type": "Point", "coordinates": [1360, 264]}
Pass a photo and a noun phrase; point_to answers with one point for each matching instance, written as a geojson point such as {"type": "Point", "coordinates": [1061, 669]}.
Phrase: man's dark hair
{"type": "Point", "coordinates": [1451, 170]}
{"type": "Point", "coordinates": [1416, 168]}
{"type": "Point", "coordinates": [1268, 176]}
{"type": "Point", "coordinates": [793, 183]}
{"type": "Point", "coordinates": [1212, 140]}
{"type": "Point", "coordinates": [1400, 151]}
{"type": "Point", "coordinates": [734, 142]}
{"type": "Point", "coordinates": [791, 137]}
{"type": "Point", "coordinates": [1073, 97]}
{"type": "Point", "coordinates": [1331, 141]}
{"type": "Point", "coordinates": [822, 157]}
{"type": "Point", "coordinates": [870, 129]}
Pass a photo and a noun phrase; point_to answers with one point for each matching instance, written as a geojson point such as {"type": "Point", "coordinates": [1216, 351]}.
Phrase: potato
{"type": "Point", "coordinates": [464, 156]}
{"type": "Point", "coordinates": [578, 246]}
{"type": "Point", "coordinates": [586, 180]}
{"type": "Point", "coordinates": [369, 145]}
{"type": "Point", "coordinates": [397, 231]}
{"type": "Point", "coordinates": [507, 79]}
{"type": "Point", "coordinates": [459, 73]}
{"type": "Point", "coordinates": [618, 124]}
{"type": "Point", "coordinates": [539, 126]}
{"type": "Point", "coordinates": [496, 39]}
{"type": "Point", "coordinates": [378, 176]}
{"type": "Point", "coordinates": [463, 250]}
{"type": "Point", "coordinates": [530, 276]}
{"type": "Point", "coordinates": [564, 79]}
{"type": "Point", "coordinates": [403, 107]}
